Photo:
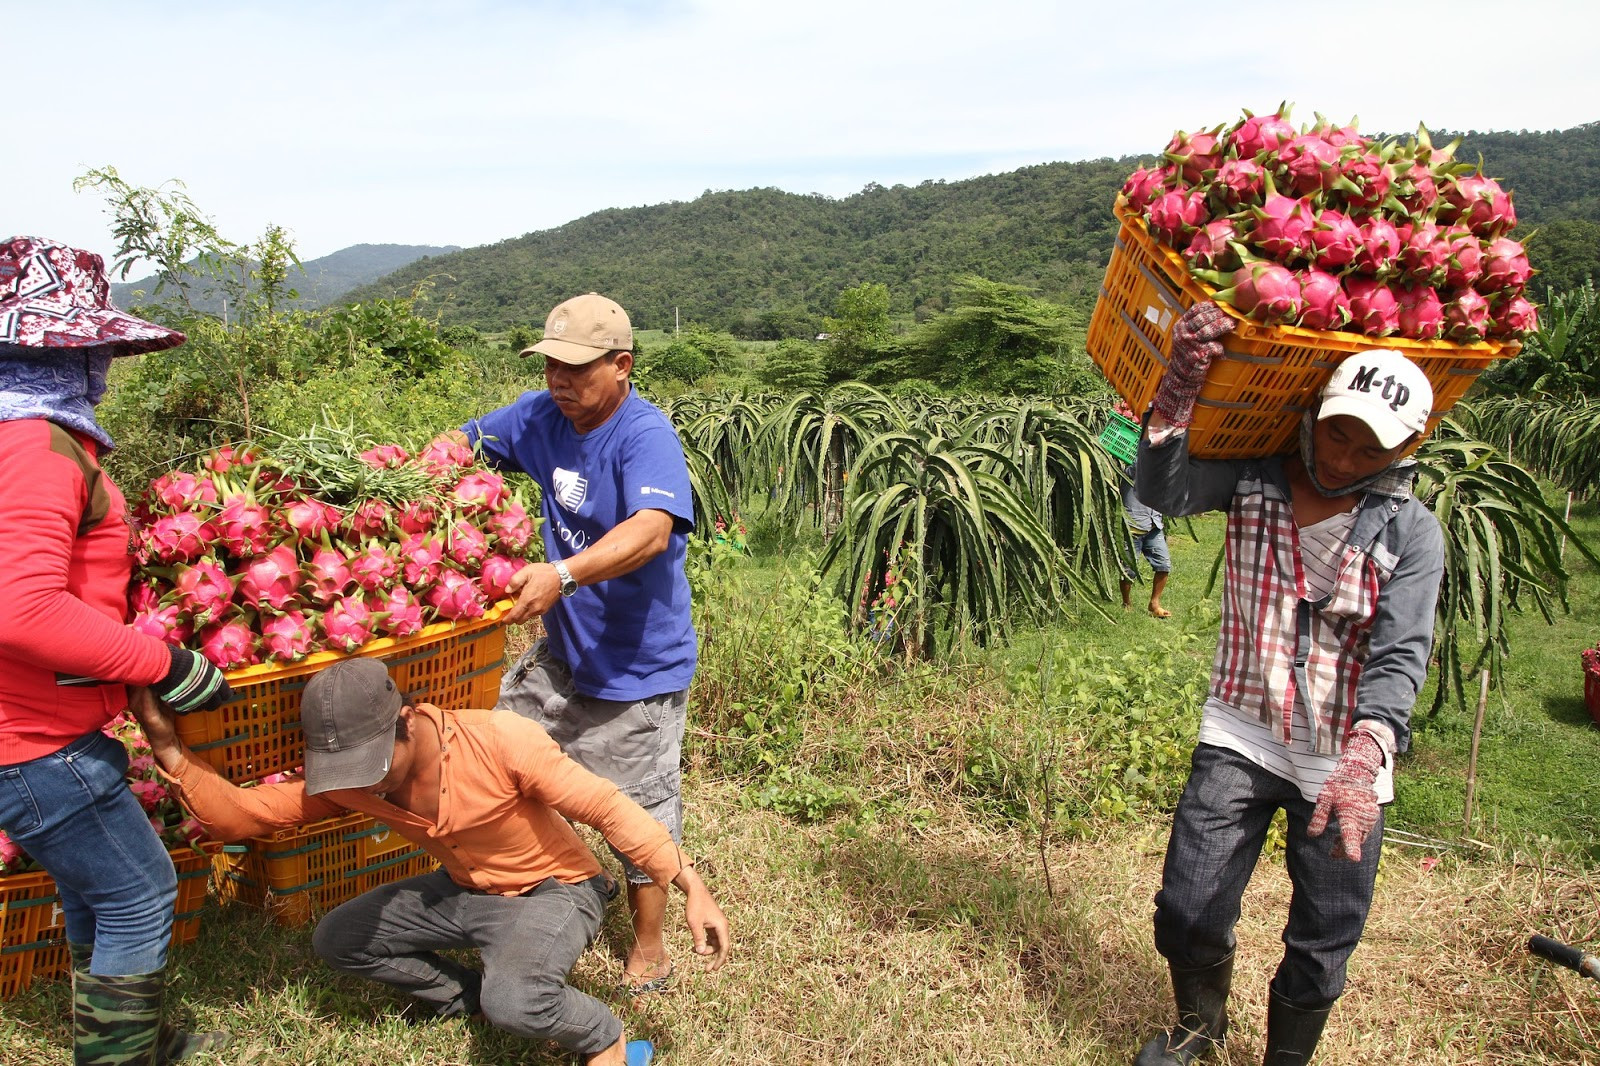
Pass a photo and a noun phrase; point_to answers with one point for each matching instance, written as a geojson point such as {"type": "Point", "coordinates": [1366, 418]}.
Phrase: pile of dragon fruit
{"type": "Point", "coordinates": [1324, 228]}
{"type": "Point", "coordinates": [251, 559]}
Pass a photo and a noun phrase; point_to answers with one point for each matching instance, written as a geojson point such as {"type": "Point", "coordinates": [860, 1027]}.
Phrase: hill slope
{"type": "Point", "coordinates": [322, 281]}
{"type": "Point", "coordinates": [764, 262]}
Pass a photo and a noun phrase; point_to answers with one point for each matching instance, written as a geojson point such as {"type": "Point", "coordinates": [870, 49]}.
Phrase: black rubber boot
{"type": "Point", "coordinates": [1202, 998]}
{"type": "Point", "coordinates": [1292, 1032]}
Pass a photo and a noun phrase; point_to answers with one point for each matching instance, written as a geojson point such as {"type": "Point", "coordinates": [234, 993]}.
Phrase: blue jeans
{"type": "Point", "coordinates": [1152, 544]}
{"type": "Point", "coordinates": [528, 943]}
{"type": "Point", "coordinates": [1217, 834]}
{"type": "Point", "coordinates": [72, 811]}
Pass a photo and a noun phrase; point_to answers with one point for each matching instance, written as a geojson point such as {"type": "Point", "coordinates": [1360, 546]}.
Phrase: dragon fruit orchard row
{"type": "Point", "coordinates": [1324, 228]}
{"type": "Point", "coordinates": [249, 560]}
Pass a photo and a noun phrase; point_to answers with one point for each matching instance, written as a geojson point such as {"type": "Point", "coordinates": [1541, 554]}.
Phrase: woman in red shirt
{"type": "Point", "coordinates": [66, 651]}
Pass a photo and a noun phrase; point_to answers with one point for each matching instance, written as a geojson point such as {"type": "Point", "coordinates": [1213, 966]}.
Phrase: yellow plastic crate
{"type": "Point", "coordinates": [33, 930]}
{"type": "Point", "coordinates": [296, 874]}
{"type": "Point", "coordinates": [1269, 376]}
{"type": "Point", "coordinates": [451, 664]}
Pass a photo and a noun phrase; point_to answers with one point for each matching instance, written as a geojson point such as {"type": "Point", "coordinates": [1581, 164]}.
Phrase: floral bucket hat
{"type": "Point", "coordinates": [53, 296]}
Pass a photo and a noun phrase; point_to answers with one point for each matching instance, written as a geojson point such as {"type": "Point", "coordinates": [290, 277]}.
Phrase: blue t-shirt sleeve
{"type": "Point", "coordinates": [494, 432]}
{"type": "Point", "coordinates": [656, 477]}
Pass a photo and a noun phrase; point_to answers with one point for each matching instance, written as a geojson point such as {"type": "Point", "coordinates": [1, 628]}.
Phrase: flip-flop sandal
{"type": "Point", "coordinates": [639, 1052]}
{"type": "Point", "coordinates": [645, 988]}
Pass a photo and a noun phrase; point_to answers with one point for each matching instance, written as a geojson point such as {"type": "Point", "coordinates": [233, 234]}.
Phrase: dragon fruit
{"type": "Point", "coordinates": [496, 575]}
{"type": "Point", "coordinates": [178, 538]}
{"type": "Point", "coordinates": [1326, 305]}
{"type": "Point", "coordinates": [167, 624]}
{"type": "Point", "coordinates": [369, 518]}
{"type": "Point", "coordinates": [1334, 240]}
{"type": "Point", "coordinates": [1465, 265]}
{"type": "Point", "coordinates": [1466, 317]}
{"type": "Point", "coordinates": [424, 559]}
{"type": "Point", "coordinates": [223, 459]}
{"type": "Point", "coordinates": [1213, 246]}
{"type": "Point", "coordinates": [386, 456]}
{"type": "Point", "coordinates": [416, 516]}
{"type": "Point", "coordinates": [326, 574]}
{"type": "Point", "coordinates": [310, 519]}
{"type": "Point", "coordinates": [1143, 185]}
{"type": "Point", "coordinates": [1364, 178]}
{"type": "Point", "coordinates": [245, 527]}
{"type": "Point", "coordinates": [1380, 248]}
{"type": "Point", "coordinates": [1195, 153]}
{"type": "Point", "coordinates": [203, 590]}
{"type": "Point", "coordinates": [271, 580]}
{"type": "Point", "coordinates": [288, 637]}
{"type": "Point", "coordinates": [482, 490]}
{"type": "Point", "coordinates": [348, 624]}
{"type": "Point", "coordinates": [374, 567]}
{"type": "Point", "coordinates": [1505, 266]}
{"type": "Point", "coordinates": [1425, 254]}
{"type": "Point", "coordinates": [511, 528]}
{"type": "Point", "coordinates": [1267, 292]}
{"type": "Point", "coordinates": [444, 456]}
{"type": "Point", "coordinates": [1283, 226]}
{"type": "Point", "coordinates": [1310, 163]}
{"type": "Point", "coordinates": [1373, 306]}
{"type": "Point", "coordinates": [183, 491]}
{"type": "Point", "coordinates": [398, 612]}
{"type": "Point", "coordinates": [1479, 204]}
{"type": "Point", "coordinates": [1421, 313]}
{"type": "Point", "coordinates": [1176, 214]}
{"type": "Point", "coordinates": [1260, 133]}
{"type": "Point", "coordinates": [1512, 317]}
{"type": "Point", "coordinates": [456, 596]}
{"type": "Point", "coordinates": [229, 645]}
{"type": "Point", "coordinates": [1240, 181]}
{"type": "Point", "coordinates": [465, 544]}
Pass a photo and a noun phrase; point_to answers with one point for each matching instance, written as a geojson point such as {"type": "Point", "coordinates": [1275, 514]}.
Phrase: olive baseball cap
{"type": "Point", "coordinates": [583, 329]}
{"type": "Point", "coordinates": [348, 711]}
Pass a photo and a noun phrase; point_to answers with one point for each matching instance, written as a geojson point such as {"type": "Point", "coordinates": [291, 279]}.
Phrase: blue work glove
{"type": "Point", "coordinates": [191, 684]}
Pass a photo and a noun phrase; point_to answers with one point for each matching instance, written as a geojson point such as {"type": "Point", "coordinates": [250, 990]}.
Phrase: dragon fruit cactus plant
{"type": "Point", "coordinates": [260, 554]}
{"type": "Point", "coordinates": [1418, 243]}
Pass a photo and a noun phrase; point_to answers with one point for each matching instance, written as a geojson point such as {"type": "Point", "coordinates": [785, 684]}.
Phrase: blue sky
{"type": "Point", "coordinates": [477, 121]}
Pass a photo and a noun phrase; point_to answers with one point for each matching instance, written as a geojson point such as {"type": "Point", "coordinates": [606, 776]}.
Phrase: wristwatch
{"type": "Point", "coordinates": [568, 585]}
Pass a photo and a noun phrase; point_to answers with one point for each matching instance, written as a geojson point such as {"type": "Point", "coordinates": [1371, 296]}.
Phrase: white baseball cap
{"type": "Point", "coordinates": [1385, 390]}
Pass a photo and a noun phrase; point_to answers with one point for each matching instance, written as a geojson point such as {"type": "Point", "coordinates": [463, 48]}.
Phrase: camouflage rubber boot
{"type": "Point", "coordinates": [173, 1044]}
{"type": "Point", "coordinates": [116, 1021]}
{"type": "Point", "coordinates": [1202, 998]}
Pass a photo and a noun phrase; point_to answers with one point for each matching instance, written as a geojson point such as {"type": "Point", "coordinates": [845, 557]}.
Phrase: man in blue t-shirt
{"type": "Point", "coordinates": [610, 680]}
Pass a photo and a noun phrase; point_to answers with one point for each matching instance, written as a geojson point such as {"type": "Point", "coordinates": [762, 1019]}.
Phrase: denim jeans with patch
{"type": "Point", "coordinates": [72, 811]}
{"type": "Point", "coordinates": [1217, 835]}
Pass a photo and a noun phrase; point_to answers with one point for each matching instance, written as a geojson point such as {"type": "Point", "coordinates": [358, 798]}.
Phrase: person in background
{"type": "Point", "coordinates": [610, 679]}
{"type": "Point", "coordinates": [66, 652]}
{"type": "Point", "coordinates": [1332, 577]}
{"type": "Point", "coordinates": [1146, 529]}
{"type": "Point", "coordinates": [487, 794]}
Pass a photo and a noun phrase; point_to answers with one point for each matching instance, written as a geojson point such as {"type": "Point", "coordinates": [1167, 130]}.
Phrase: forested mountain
{"type": "Point", "coordinates": [763, 262]}
{"type": "Point", "coordinates": [321, 281]}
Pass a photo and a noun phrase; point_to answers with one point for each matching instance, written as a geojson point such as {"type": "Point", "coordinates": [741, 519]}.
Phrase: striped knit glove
{"type": "Point", "coordinates": [1195, 343]}
{"type": "Point", "coordinates": [1348, 795]}
{"type": "Point", "coordinates": [191, 684]}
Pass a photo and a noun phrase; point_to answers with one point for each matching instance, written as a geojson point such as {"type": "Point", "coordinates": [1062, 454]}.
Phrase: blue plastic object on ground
{"type": "Point", "coordinates": [640, 1052]}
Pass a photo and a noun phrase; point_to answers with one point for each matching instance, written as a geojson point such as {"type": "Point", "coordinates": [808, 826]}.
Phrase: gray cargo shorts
{"type": "Point", "coordinates": [636, 745]}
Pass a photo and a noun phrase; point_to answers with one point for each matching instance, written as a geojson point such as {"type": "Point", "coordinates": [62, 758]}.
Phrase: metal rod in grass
{"type": "Point", "coordinates": [326, 458]}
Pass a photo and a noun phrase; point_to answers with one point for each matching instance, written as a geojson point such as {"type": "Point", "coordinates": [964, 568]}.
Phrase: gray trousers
{"type": "Point", "coordinates": [528, 943]}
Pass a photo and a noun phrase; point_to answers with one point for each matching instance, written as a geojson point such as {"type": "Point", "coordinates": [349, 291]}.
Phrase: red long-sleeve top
{"type": "Point", "coordinates": [63, 593]}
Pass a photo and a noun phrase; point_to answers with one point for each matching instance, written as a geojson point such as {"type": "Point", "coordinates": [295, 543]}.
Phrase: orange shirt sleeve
{"type": "Point", "coordinates": [228, 812]}
{"type": "Point", "coordinates": [545, 773]}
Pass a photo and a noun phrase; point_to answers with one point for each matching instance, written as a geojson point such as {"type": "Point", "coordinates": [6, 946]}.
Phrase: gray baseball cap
{"type": "Point", "coordinates": [348, 711]}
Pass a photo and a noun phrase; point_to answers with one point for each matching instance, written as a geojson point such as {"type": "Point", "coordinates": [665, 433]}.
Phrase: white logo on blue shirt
{"type": "Point", "coordinates": [571, 488]}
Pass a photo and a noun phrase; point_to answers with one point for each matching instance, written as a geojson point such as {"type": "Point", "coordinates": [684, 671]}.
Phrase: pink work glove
{"type": "Point", "coordinates": [1348, 795]}
{"type": "Point", "coordinates": [1195, 343]}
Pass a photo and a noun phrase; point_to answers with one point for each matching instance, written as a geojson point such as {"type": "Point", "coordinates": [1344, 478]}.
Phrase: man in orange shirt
{"type": "Point", "coordinates": [488, 794]}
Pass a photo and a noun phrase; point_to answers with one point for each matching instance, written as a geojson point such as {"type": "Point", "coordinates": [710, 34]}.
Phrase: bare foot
{"type": "Point", "coordinates": [1160, 611]}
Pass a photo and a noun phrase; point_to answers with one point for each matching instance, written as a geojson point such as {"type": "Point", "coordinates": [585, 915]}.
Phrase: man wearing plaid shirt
{"type": "Point", "coordinates": [1333, 571]}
